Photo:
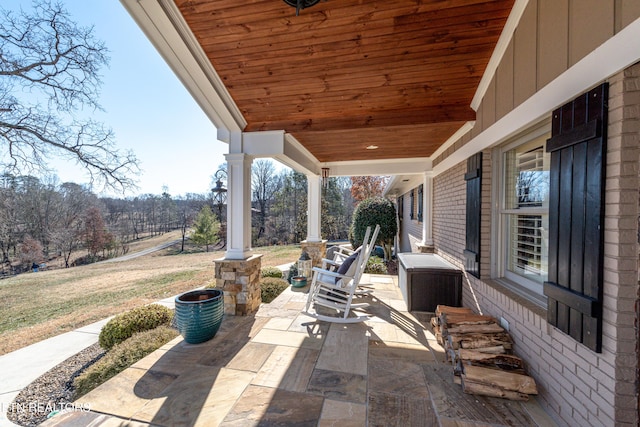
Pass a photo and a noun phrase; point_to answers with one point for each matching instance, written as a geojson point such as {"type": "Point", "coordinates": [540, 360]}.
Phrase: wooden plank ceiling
{"type": "Point", "coordinates": [345, 75]}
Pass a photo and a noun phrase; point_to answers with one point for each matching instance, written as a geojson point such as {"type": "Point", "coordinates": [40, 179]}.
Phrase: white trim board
{"type": "Point", "coordinates": [614, 55]}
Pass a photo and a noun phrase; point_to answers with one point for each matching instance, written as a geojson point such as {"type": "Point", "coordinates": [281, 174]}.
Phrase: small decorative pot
{"type": "Point", "coordinates": [298, 281]}
{"type": "Point", "coordinates": [199, 314]}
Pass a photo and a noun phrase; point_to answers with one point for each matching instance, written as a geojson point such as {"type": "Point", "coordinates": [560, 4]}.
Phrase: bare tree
{"type": "Point", "coordinates": [30, 252]}
{"type": "Point", "coordinates": [264, 187]}
{"type": "Point", "coordinates": [49, 72]}
{"type": "Point", "coordinates": [68, 231]}
{"type": "Point", "coordinates": [10, 222]}
{"type": "Point", "coordinates": [96, 236]}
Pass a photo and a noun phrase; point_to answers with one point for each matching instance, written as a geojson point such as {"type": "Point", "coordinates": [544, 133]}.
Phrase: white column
{"type": "Point", "coordinates": [314, 205]}
{"type": "Point", "coordinates": [427, 209]}
{"type": "Point", "coordinates": [238, 206]}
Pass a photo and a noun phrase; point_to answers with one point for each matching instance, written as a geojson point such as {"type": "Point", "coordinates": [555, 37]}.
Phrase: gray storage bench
{"type": "Point", "coordinates": [427, 280]}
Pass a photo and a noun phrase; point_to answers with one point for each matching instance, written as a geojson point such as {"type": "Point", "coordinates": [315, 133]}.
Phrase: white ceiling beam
{"type": "Point", "coordinates": [282, 147]}
{"type": "Point", "coordinates": [385, 167]}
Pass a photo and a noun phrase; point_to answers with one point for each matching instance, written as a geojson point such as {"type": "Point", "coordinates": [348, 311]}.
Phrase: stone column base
{"type": "Point", "coordinates": [316, 250]}
{"type": "Point", "coordinates": [239, 279]}
{"type": "Point", "coordinates": [426, 249]}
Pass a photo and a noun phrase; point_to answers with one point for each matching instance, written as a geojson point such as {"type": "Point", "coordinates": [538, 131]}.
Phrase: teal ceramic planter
{"type": "Point", "coordinates": [198, 314]}
{"type": "Point", "coordinates": [298, 281]}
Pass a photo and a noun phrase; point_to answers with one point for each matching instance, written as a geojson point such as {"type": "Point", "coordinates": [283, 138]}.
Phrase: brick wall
{"type": "Point", "coordinates": [621, 240]}
{"type": "Point", "coordinates": [449, 201]}
{"type": "Point", "coordinates": [577, 386]}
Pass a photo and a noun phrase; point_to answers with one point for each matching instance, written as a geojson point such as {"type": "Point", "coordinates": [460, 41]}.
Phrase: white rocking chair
{"type": "Point", "coordinates": [334, 291]}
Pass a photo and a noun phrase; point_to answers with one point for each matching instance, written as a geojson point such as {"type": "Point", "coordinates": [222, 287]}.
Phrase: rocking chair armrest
{"type": "Point", "coordinates": [329, 273]}
{"type": "Point", "coordinates": [342, 255]}
{"type": "Point", "coordinates": [345, 250]}
{"type": "Point", "coordinates": [329, 264]}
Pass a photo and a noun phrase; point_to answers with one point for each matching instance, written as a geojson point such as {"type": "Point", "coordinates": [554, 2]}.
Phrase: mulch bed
{"type": "Point", "coordinates": [53, 391]}
{"type": "Point", "coordinates": [392, 267]}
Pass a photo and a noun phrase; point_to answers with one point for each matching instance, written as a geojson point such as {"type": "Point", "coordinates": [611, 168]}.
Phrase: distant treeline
{"type": "Point", "coordinates": [43, 219]}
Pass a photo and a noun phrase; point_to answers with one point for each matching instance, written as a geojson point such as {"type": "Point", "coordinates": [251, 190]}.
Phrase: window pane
{"type": "Point", "coordinates": [527, 246]}
{"type": "Point", "coordinates": [527, 177]}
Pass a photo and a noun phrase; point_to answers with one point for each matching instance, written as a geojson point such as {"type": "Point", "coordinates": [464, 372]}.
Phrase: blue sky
{"type": "Point", "coordinates": [145, 104]}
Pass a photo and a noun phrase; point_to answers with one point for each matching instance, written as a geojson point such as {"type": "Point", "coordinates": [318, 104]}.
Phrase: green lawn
{"type": "Point", "coordinates": [36, 306]}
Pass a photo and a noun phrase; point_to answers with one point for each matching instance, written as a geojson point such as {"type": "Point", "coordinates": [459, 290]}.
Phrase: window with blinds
{"type": "Point", "coordinates": [527, 178]}
{"type": "Point", "coordinates": [525, 212]}
{"type": "Point", "coordinates": [527, 254]}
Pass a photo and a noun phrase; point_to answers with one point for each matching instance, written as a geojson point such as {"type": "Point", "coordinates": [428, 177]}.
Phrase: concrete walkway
{"type": "Point", "coordinates": [21, 367]}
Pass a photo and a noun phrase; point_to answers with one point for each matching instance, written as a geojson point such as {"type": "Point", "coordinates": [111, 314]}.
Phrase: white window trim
{"type": "Point", "coordinates": [513, 282]}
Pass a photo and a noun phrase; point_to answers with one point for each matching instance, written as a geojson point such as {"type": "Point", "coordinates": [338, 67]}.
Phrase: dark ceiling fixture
{"type": "Point", "coordinates": [301, 4]}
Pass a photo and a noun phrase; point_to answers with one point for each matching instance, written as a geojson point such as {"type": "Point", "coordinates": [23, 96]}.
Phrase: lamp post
{"type": "Point", "coordinates": [219, 193]}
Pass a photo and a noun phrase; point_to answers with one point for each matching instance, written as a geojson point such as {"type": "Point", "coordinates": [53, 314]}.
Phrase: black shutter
{"type": "Point", "coordinates": [420, 202]}
{"type": "Point", "coordinates": [576, 217]}
{"type": "Point", "coordinates": [473, 177]}
{"type": "Point", "coordinates": [412, 202]}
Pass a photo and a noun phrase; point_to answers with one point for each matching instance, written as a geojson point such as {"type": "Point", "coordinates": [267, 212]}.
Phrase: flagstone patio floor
{"type": "Point", "coordinates": [283, 368]}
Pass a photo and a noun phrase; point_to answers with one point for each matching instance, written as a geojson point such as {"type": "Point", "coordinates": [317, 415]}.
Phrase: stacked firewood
{"type": "Point", "coordinates": [481, 353]}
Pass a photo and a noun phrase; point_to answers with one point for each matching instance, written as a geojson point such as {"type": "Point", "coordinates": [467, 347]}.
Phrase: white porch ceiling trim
{"type": "Point", "coordinates": [418, 165]}
{"type": "Point", "coordinates": [464, 129]}
{"type": "Point", "coordinates": [164, 26]}
{"type": "Point", "coordinates": [503, 42]}
{"type": "Point", "coordinates": [614, 55]}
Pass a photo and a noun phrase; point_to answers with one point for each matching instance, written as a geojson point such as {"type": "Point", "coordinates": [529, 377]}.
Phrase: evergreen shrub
{"type": "Point", "coordinates": [271, 287]}
{"type": "Point", "coordinates": [121, 356]}
{"type": "Point", "coordinates": [370, 212]}
{"type": "Point", "coordinates": [271, 272]}
{"type": "Point", "coordinates": [139, 319]}
{"type": "Point", "coordinates": [293, 272]}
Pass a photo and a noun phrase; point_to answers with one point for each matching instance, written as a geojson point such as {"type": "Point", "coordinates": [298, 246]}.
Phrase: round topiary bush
{"type": "Point", "coordinates": [139, 319]}
{"type": "Point", "coordinates": [271, 272]}
{"type": "Point", "coordinates": [271, 287]}
{"type": "Point", "coordinates": [370, 212]}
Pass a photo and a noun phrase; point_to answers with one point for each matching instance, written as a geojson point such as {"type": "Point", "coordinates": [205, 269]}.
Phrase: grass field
{"type": "Point", "coordinates": [36, 306]}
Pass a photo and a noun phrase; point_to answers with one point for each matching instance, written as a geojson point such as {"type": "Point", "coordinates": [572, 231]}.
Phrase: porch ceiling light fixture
{"type": "Point", "coordinates": [301, 4]}
{"type": "Point", "coordinates": [372, 147]}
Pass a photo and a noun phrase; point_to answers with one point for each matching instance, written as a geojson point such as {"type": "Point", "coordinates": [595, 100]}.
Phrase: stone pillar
{"type": "Point", "coordinates": [240, 282]}
{"type": "Point", "coordinates": [316, 250]}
